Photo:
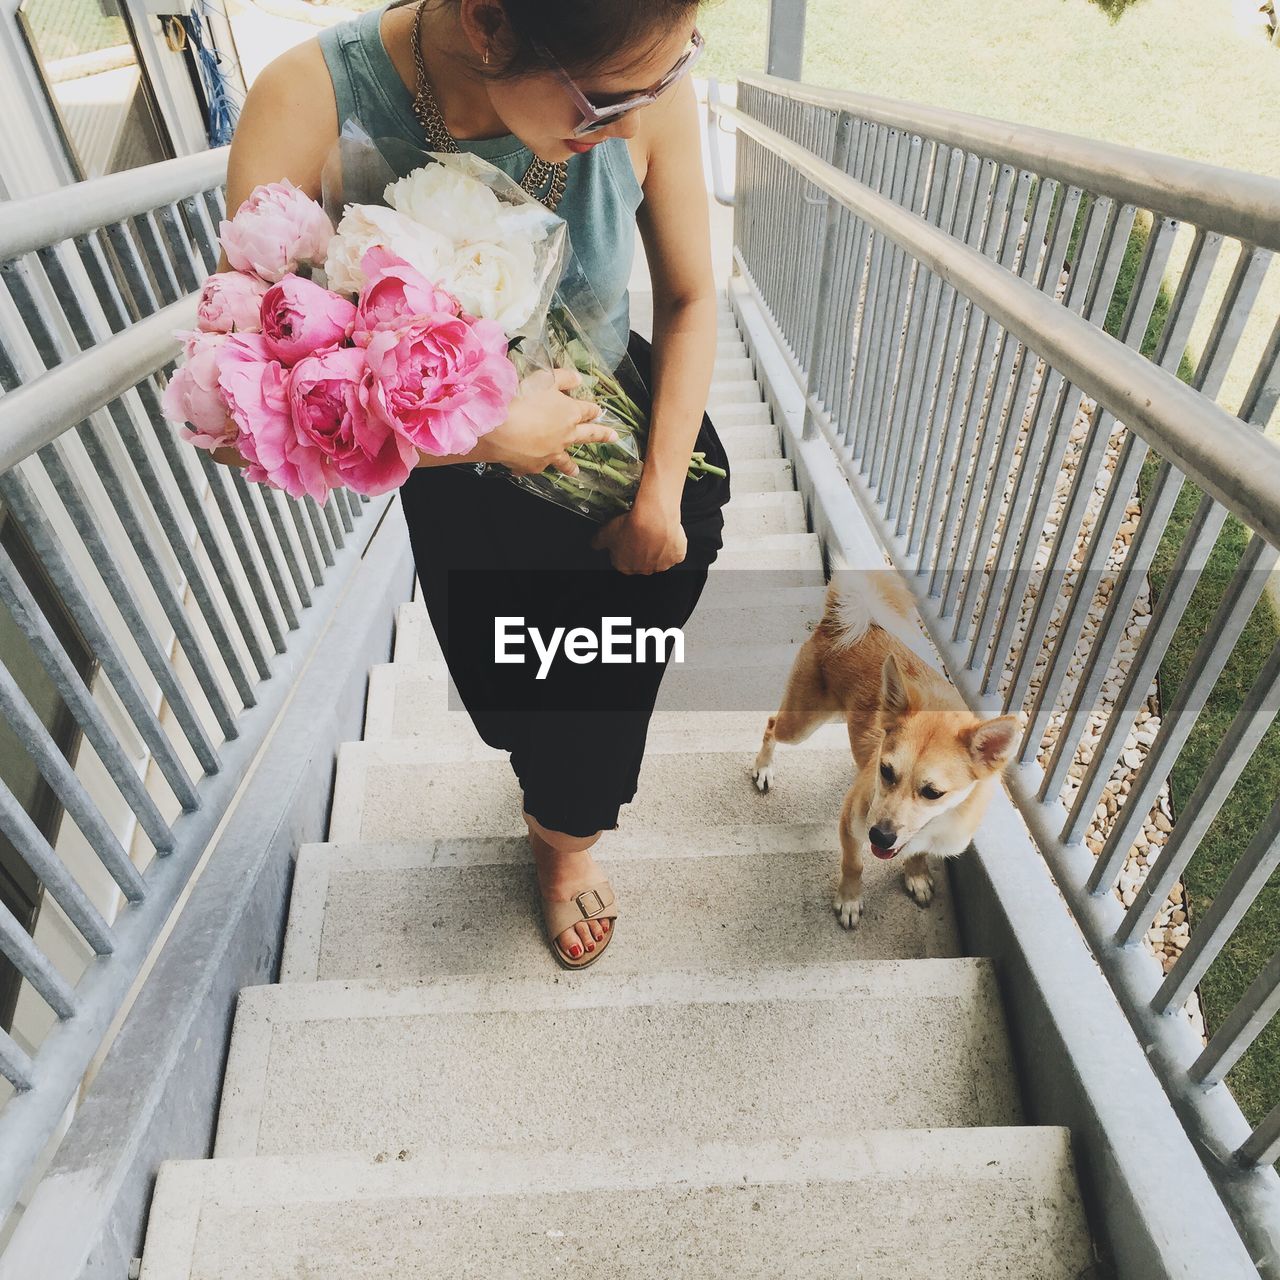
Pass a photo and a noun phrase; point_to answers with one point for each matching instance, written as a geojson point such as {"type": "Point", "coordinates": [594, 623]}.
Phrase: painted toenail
{"type": "Point", "coordinates": [575, 951]}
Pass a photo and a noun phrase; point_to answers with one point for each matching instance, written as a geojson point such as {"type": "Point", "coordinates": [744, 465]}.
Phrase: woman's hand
{"type": "Point", "coordinates": [542, 424]}
{"type": "Point", "coordinates": [647, 539]}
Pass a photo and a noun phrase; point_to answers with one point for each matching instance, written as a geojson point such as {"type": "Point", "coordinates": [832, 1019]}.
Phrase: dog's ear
{"type": "Point", "coordinates": [991, 743]}
{"type": "Point", "coordinates": [896, 696]}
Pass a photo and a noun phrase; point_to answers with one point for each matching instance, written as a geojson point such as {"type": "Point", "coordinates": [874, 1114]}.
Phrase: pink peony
{"type": "Point", "coordinates": [329, 416]}
{"type": "Point", "coordinates": [254, 386]}
{"type": "Point", "coordinates": [441, 382]}
{"type": "Point", "coordinates": [394, 293]}
{"type": "Point", "coordinates": [300, 317]}
{"type": "Point", "coordinates": [275, 229]}
{"type": "Point", "coordinates": [230, 301]}
{"type": "Point", "coordinates": [193, 394]}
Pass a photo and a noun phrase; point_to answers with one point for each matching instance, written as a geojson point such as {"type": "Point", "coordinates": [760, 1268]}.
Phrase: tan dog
{"type": "Point", "coordinates": [926, 765]}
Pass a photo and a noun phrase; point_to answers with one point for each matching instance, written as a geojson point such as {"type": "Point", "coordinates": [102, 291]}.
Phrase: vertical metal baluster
{"type": "Point", "coordinates": [36, 852]}
{"type": "Point", "coordinates": [1026, 255]}
{"type": "Point", "coordinates": [1067, 408]}
{"type": "Point", "coordinates": [942, 346]}
{"type": "Point", "coordinates": [1142, 301]}
{"type": "Point", "coordinates": [1156, 509]}
{"type": "Point", "coordinates": [306, 539]}
{"type": "Point", "coordinates": [30, 620]}
{"type": "Point", "coordinates": [39, 747]}
{"type": "Point", "coordinates": [93, 257]}
{"type": "Point", "coordinates": [1241, 740]}
{"type": "Point", "coordinates": [18, 948]}
{"type": "Point", "coordinates": [903, 288]}
{"type": "Point", "coordinates": [80, 508]}
{"type": "Point", "coordinates": [871, 333]}
{"type": "Point", "coordinates": [843, 289]}
{"type": "Point", "coordinates": [320, 528]}
{"type": "Point", "coordinates": [911, 425]}
{"type": "Point", "coordinates": [250, 497]}
{"type": "Point", "coordinates": [1002, 238]}
{"type": "Point", "coordinates": [888, 361]}
{"type": "Point", "coordinates": [1213, 930]}
{"type": "Point", "coordinates": [853, 365]}
{"type": "Point", "coordinates": [987, 240]}
{"type": "Point", "coordinates": [272, 500]}
{"type": "Point", "coordinates": [1014, 410]}
{"type": "Point", "coordinates": [1049, 403]}
{"type": "Point", "coordinates": [162, 268]}
{"type": "Point", "coordinates": [16, 492]}
{"type": "Point", "coordinates": [839, 158]}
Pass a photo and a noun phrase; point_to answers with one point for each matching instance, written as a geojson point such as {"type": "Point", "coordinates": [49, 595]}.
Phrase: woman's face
{"type": "Point", "coordinates": [540, 111]}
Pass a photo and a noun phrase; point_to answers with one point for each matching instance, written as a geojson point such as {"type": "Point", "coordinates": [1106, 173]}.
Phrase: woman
{"type": "Point", "coordinates": [589, 105]}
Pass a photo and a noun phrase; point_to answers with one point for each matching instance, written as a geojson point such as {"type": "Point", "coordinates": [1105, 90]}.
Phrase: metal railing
{"type": "Point", "coordinates": [183, 581]}
{"type": "Point", "coordinates": [940, 285]}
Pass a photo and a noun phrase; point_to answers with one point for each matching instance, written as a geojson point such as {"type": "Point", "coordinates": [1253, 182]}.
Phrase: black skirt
{"type": "Point", "coordinates": [486, 551]}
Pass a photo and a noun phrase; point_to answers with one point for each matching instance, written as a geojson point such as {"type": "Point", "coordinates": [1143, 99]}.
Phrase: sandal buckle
{"type": "Point", "coordinates": [594, 911]}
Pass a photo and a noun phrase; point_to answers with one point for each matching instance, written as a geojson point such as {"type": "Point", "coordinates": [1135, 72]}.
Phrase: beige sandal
{"type": "Point", "coordinates": [595, 902]}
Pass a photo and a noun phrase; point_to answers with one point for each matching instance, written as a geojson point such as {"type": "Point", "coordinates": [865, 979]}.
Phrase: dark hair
{"type": "Point", "coordinates": [582, 35]}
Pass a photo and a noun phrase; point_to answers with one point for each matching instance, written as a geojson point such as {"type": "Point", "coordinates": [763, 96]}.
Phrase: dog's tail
{"type": "Point", "coordinates": [852, 608]}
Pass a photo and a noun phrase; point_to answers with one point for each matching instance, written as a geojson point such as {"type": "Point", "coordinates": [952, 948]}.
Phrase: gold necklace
{"type": "Point", "coordinates": [439, 138]}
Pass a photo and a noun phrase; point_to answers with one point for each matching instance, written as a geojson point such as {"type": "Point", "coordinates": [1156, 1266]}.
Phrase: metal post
{"type": "Point", "coordinates": [786, 38]}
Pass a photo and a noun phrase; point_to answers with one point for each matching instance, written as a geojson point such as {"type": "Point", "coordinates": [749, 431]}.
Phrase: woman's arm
{"type": "Point", "coordinates": [675, 228]}
{"type": "Point", "coordinates": [676, 231]}
{"type": "Point", "coordinates": [287, 125]}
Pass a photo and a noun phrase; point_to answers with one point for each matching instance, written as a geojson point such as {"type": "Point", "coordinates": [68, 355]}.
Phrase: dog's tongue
{"type": "Point", "coordinates": [883, 853]}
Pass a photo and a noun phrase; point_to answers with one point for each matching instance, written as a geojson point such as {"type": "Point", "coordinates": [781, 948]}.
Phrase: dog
{"type": "Point", "coordinates": [925, 764]}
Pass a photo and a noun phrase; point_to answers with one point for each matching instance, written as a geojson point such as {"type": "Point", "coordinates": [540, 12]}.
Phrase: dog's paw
{"type": "Point", "coordinates": [848, 911]}
{"type": "Point", "coordinates": [763, 775]}
{"type": "Point", "coordinates": [920, 887]}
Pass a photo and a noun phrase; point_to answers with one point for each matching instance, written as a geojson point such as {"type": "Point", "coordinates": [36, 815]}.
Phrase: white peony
{"type": "Point", "coordinates": [449, 201]}
{"type": "Point", "coordinates": [498, 281]}
{"type": "Point", "coordinates": [366, 225]}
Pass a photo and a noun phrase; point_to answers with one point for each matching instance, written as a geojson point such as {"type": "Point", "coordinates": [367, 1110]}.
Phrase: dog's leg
{"type": "Point", "coordinates": [916, 876]}
{"type": "Point", "coordinates": [805, 705]}
{"type": "Point", "coordinates": [848, 903]}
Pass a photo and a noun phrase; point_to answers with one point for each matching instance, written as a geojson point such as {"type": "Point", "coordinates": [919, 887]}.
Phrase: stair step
{"type": "Point", "coordinates": [731, 391]}
{"type": "Point", "coordinates": [770, 551]}
{"type": "Point", "coordinates": [743, 443]}
{"type": "Point", "coordinates": [879, 1205]}
{"type": "Point", "coordinates": [735, 369]}
{"type": "Point", "coordinates": [409, 790]}
{"type": "Point", "coordinates": [754, 413]}
{"type": "Point", "coordinates": [774, 1052]}
{"type": "Point", "coordinates": [400, 912]}
{"type": "Point", "coordinates": [759, 475]}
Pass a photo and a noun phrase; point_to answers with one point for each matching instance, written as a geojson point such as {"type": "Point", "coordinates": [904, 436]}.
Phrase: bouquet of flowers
{"type": "Point", "coordinates": [352, 334]}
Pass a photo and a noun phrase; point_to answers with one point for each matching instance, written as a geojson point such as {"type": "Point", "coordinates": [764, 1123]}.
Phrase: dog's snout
{"type": "Point", "coordinates": [884, 835]}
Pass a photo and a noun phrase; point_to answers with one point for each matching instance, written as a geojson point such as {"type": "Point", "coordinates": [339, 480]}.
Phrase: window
{"type": "Point", "coordinates": [88, 60]}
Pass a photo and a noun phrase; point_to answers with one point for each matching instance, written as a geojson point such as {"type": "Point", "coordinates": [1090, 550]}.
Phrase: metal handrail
{"type": "Point", "coordinates": [1231, 201]}
{"type": "Point", "coordinates": [37, 413]}
{"type": "Point", "coordinates": [29, 224]}
{"type": "Point", "coordinates": [933, 273]}
{"type": "Point", "coordinates": [225, 584]}
{"type": "Point", "coordinates": [1191, 431]}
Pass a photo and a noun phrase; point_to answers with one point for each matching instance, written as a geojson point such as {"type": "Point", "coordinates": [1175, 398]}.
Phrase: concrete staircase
{"type": "Point", "coordinates": [739, 1088]}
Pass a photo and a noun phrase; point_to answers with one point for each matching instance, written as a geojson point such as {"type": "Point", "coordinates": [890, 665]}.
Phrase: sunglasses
{"type": "Point", "coordinates": [595, 116]}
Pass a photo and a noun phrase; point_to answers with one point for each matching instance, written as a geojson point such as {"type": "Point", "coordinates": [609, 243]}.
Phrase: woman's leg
{"type": "Point", "coordinates": [564, 864]}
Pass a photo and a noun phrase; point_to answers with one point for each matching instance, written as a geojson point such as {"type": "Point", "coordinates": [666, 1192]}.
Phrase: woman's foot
{"type": "Point", "coordinates": [561, 875]}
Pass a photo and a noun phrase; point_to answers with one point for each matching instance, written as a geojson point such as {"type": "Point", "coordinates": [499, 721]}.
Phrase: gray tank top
{"type": "Point", "coordinates": [601, 192]}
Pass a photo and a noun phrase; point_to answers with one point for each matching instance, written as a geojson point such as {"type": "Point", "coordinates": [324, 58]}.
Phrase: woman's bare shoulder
{"type": "Point", "coordinates": [287, 124]}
